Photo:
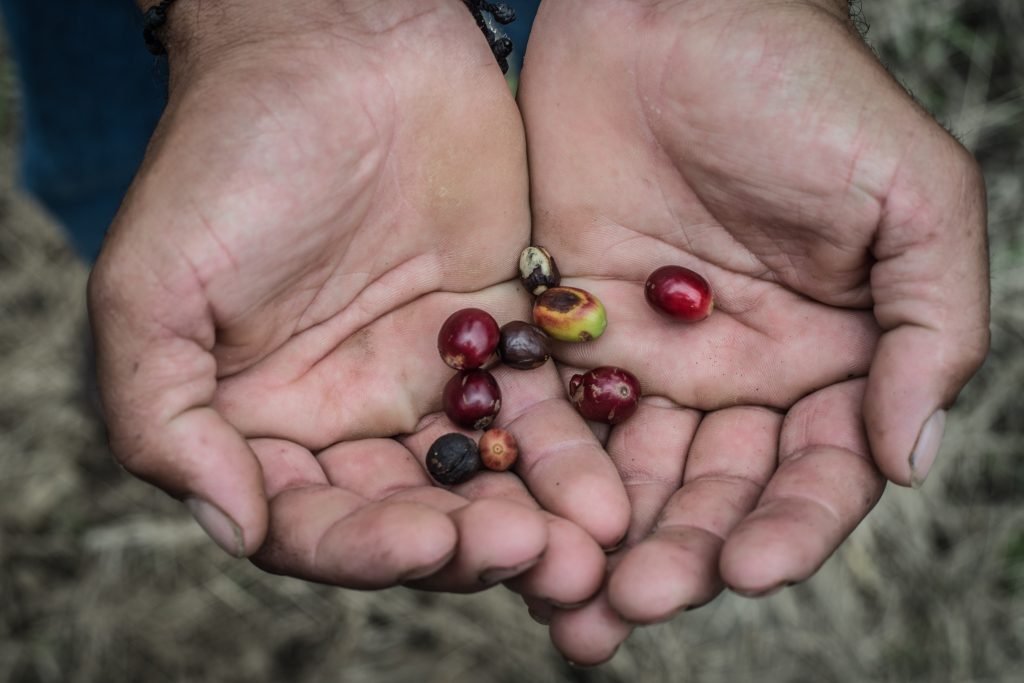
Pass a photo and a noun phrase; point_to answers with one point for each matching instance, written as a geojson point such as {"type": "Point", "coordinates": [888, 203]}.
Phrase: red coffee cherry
{"type": "Point", "coordinates": [471, 399]}
{"type": "Point", "coordinates": [679, 293]}
{"type": "Point", "coordinates": [605, 394]}
{"type": "Point", "coordinates": [498, 449]}
{"type": "Point", "coordinates": [468, 339]}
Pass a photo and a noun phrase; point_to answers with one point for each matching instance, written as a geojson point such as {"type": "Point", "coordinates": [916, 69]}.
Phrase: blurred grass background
{"type": "Point", "coordinates": [103, 578]}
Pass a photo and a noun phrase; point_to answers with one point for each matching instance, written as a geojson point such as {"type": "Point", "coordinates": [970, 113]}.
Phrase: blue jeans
{"type": "Point", "coordinates": [91, 95]}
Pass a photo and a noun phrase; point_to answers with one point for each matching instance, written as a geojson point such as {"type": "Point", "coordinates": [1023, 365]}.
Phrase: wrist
{"type": "Point", "coordinates": [201, 33]}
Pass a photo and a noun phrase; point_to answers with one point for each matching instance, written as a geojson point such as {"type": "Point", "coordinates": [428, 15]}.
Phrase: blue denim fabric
{"type": "Point", "coordinates": [91, 96]}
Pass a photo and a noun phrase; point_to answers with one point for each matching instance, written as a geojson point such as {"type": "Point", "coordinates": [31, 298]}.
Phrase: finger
{"type": "Point", "coordinates": [649, 451]}
{"type": "Point", "coordinates": [571, 566]}
{"type": "Point", "coordinates": [931, 292]}
{"type": "Point", "coordinates": [569, 573]}
{"type": "Point", "coordinates": [157, 377]}
{"type": "Point", "coordinates": [757, 326]}
{"type": "Point", "coordinates": [539, 609]}
{"type": "Point", "coordinates": [323, 533]}
{"type": "Point", "coordinates": [591, 634]}
{"type": "Point", "coordinates": [732, 457]}
{"type": "Point", "coordinates": [825, 485]}
{"type": "Point", "coordinates": [560, 460]}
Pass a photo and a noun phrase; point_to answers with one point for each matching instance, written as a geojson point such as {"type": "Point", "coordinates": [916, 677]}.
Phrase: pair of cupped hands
{"type": "Point", "coordinates": [332, 179]}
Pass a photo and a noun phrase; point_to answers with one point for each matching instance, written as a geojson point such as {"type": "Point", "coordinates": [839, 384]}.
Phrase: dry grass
{"type": "Point", "coordinates": [103, 578]}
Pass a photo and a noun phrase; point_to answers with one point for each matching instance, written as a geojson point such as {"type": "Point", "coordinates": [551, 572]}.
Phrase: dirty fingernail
{"type": "Point", "coordinates": [541, 619]}
{"type": "Point", "coordinates": [498, 574]}
{"type": "Point", "coordinates": [217, 526]}
{"type": "Point", "coordinates": [927, 447]}
{"type": "Point", "coordinates": [429, 570]}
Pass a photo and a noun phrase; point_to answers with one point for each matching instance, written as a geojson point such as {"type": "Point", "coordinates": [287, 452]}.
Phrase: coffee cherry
{"type": "Point", "coordinates": [468, 339]}
{"type": "Point", "coordinates": [523, 346]}
{"type": "Point", "coordinates": [679, 293]}
{"type": "Point", "coordinates": [471, 399]}
{"type": "Point", "coordinates": [453, 459]}
{"type": "Point", "coordinates": [498, 450]}
{"type": "Point", "coordinates": [570, 314]}
{"type": "Point", "coordinates": [538, 270]}
{"type": "Point", "coordinates": [605, 394]}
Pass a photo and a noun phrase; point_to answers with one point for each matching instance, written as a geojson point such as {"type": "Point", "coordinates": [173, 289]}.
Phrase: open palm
{"type": "Point", "coordinates": [267, 306]}
{"type": "Point", "coordinates": [843, 233]}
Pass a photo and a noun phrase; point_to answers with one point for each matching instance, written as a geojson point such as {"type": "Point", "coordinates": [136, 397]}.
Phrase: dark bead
{"type": "Point", "coordinates": [502, 47]}
{"type": "Point", "coordinates": [503, 14]}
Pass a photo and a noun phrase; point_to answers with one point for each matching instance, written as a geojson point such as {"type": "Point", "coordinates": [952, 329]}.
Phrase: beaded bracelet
{"type": "Point", "coordinates": [152, 21]}
{"type": "Point", "coordinates": [500, 44]}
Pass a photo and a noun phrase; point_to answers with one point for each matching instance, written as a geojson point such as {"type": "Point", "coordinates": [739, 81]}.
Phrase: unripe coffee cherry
{"type": "Point", "coordinates": [523, 346]}
{"type": "Point", "coordinates": [538, 270]}
{"type": "Point", "coordinates": [471, 399]}
{"type": "Point", "coordinates": [468, 339]}
{"type": "Point", "coordinates": [605, 394]}
{"type": "Point", "coordinates": [498, 450]}
{"type": "Point", "coordinates": [679, 293]}
{"type": "Point", "coordinates": [570, 314]}
{"type": "Point", "coordinates": [453, 459]}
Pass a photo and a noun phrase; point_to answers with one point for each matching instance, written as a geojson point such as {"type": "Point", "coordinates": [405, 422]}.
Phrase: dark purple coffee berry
{"type": "Point", "coordinates": [471, 399]}
{"type": "Point", "coordinates": [453, 459]}
{"type": "Point", "coordinates": [523, 346]}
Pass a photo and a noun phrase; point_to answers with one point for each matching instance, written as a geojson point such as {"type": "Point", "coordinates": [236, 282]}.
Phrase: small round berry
{"type": "Point", "coordinates": [453, 459]}
{"type": "Point", "coordinates": [498, 449]}
{"type": "Point", "coordinates": [679, 293]}
{"type": "Point", "coordinates": [523, 346]}
{"type": "Point", "coordinates": [605, 394]}
{"type": "Point", "coordinates": [468, 339]}
{"type": "Point", "coordinates": [570, 314]}
{"type": "Point", "coordinates": [472, 399]}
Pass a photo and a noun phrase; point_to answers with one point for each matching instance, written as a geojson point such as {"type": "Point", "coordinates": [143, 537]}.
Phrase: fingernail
{"type": "Point", "coordinates": [927, 447]}
{"type": "Point", "coordinates": [429, 570]}
{"type": "Point", "coordinates": [568, 605]}
{"type": "Point", "coordinates": [498, 574]}
{"type": "Point", "coordinates": [771, 590]}
{"type": "Point", "coordinates": [217, 526]}
{"type": "Point", "coordinates": [542, 620]}
{"type": "Point", "coordinates": [577, 665]}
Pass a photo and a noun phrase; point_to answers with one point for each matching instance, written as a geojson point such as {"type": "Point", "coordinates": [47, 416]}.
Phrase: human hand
{"type": "Point", "coordinates": [329, 182]}
{"type": "Point", "coordinates": [844, 233]}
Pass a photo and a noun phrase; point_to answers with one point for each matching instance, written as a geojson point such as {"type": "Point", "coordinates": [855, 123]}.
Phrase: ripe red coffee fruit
{"type": "Point", "coordinates": [679, 293]}
{"type": "Point", "coordinates": [468, 339]}
{"type": "Point", "coordinates": [498, 449]}
{"type": "Point", "coordinates": [471, 399]}
{"type": "Point", "coordinates": [605, 394]}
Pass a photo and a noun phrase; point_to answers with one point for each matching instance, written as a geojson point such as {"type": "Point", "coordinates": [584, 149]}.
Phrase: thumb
{"type": "Point", "coordinates": [931, 298]}
{"type": "Point", "coordinates": [154, 333]}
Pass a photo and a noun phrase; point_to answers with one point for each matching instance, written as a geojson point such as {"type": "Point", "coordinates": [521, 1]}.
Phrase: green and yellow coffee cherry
{"type": "Point", "coordinates": [569, 314]}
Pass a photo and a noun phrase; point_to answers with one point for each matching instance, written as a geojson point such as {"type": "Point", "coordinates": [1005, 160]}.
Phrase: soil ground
{"type": "Point", "coordinates": [103, 578]}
